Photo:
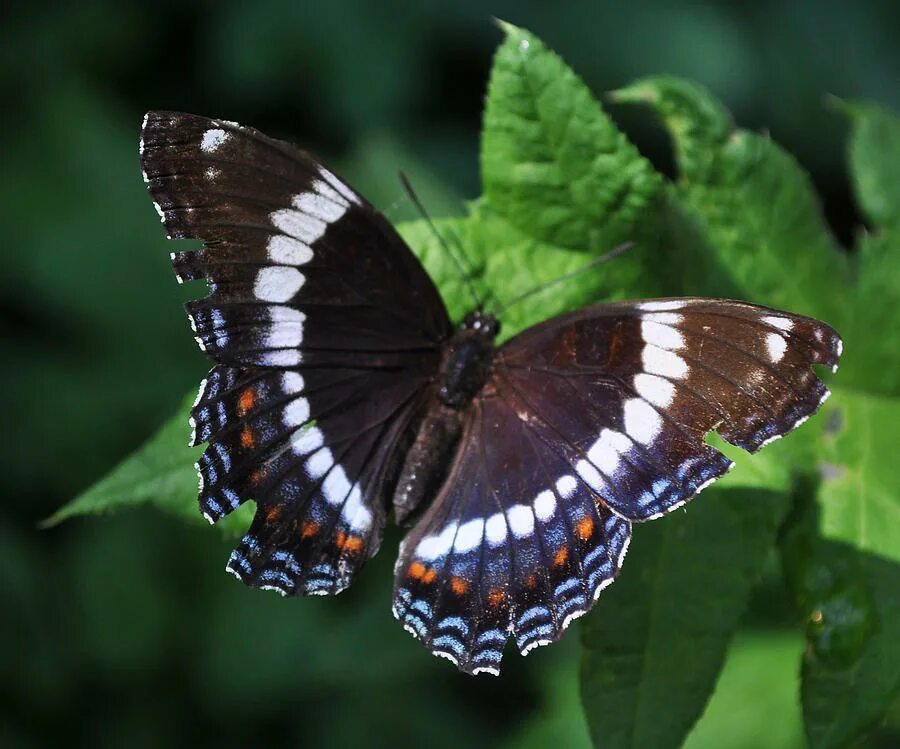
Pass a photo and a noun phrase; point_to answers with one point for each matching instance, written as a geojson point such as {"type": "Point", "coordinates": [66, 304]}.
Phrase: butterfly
{"type": "Point", "coordinates": [341, 395]}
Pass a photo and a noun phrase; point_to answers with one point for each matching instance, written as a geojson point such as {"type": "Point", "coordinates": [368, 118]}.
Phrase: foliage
{"type": "Point", "coordinates": [561, 183]}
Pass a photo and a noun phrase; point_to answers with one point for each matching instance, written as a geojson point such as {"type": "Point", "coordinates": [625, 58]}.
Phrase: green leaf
{"type": "Point", "coordinates": [552, 162]}
{"type": "Point", "coordinates": [690, 266]}
{"type": "Point", "coordinates": [755, 705]}
{"type": "Point", "coordinates": [557, 719]}
{"type": "Point", "coordinates": [873, 305]}
{"type": "Point", "coordinates": [498, 257]}
{"type": "Point", "coordinates": [872, 311]}
{"type": "Point", "coordinates": [858, 495]}
{"type": "Point", "coordinates": [875, 161]}
{"type": "Point", "coordinates": [756, 204]}
{"type": "Point", "coordinates": [505, 262]}
{"type": "Point", "coordinates": [699, 124]}
{"type": "Point", "coordinates": [766, 471]}
{"type": "Point", "coordinates": [161, 472]}
{"type": "Point", "coordinates": [847, 600]}
{"type": "Point", "coordinates": [831, 599]}
{"type": "Point", "coordinates": [656, 641]}
{"type": "Point", "coordinates": [843, 699]}
{"type": "Point", "coordinates": [440, 266]}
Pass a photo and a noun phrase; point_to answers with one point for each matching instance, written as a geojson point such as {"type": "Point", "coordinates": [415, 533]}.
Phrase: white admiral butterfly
{"type": "Point", "coordinates": [341, 393]}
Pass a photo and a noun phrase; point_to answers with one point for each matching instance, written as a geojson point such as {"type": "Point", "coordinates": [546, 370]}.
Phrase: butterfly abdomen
{"type": "Point", "coordinates": [426, 464]}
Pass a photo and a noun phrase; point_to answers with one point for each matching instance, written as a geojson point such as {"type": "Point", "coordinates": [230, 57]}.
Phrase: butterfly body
{"type": "Point", "coordinates": [342, 398]}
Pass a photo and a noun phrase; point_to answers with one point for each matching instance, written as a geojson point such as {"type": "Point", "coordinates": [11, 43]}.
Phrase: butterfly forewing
{"type": "Point", "coordinates": [324, 328]}
{"type": "Point", "coordinates": [590, 421]}
{"type": "Point", "coordinates": [628, 392]}
{"type": "Point", "coordinates": [297, 262]}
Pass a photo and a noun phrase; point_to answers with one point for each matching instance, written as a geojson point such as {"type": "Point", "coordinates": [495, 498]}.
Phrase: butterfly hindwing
{"type": "Point", "coordinates": [320, 485]}
{"type": "Point", "coordinates": [323, 327]}
{"type": "Point", "coordinates": [513, 545]}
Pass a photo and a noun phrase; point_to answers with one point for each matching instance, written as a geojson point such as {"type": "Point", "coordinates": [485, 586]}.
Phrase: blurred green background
{"type": "Point", "coordinates": [124, 629]}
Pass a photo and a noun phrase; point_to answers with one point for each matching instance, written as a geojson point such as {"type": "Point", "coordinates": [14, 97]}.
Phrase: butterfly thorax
{"type": "Point", "coordinates": [464, 369]}
{"type": "Point", "coordinates": [467, 358]}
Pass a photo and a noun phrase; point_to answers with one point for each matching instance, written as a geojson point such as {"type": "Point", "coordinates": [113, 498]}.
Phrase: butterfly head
{"type": "Point", "coordinates": [482, 322]}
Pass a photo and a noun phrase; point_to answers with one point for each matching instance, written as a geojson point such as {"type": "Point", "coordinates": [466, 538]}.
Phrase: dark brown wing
{"type": "Point", "coordinates": [324, 328]}
{"type": "Point", "coordinates": [588, 422]}
{"type": "Point", "coordinates": [655, 377]}
{"type": "Point", "coordinates": [513, 544]}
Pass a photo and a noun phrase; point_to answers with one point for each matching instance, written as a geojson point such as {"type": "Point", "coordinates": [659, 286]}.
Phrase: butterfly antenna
{"type": "Point", "coordinates": [456, 261]}
{"type": "Point", "coordinates": [620, 250]}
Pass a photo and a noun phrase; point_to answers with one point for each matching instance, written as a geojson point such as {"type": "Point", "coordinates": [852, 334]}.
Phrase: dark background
{"type": "Point", "coordinates": [124, 629]}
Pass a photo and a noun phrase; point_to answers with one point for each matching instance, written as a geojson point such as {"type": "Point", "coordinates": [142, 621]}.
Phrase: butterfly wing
{"type": "Point", "coordinates": [315, 306]}
{"type": "Point", "coordinates": [513, 544]}
{"type": "Point", "coordinates": [657, 376]}
{"type": "Point", "coordinates": [589, 422]}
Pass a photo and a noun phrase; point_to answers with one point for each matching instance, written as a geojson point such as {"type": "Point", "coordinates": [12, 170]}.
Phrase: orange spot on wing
{"type": "Point", "coordinates": [273, 513]}
{"type": "Point", "coordinates": [585, 528]}
{"type": "Point", "coordinates": [246, 401]}
{"type": "Point", "coordinates": [561, 556]}
{"type": "Point", "coordinates": [419, 571]}
{"type": "Point", "coordinates": [416, 570]}
{"type": "Point", "coordinates": [348, 543]}
{"type": "Point", "coordinates": [257, 476]}
{"type": "Point", "coordinates": [616, 346]}
{"type": "Point", "coordinates": [309, 529]}
{"type": "Point", "coordinates": [354, 543]}
{"type": "Point", "coordinates": [568, 342]}
{"type": "Point", "coordinates": [458, 585]}
{"type": "Point", "coordinates": [496, 596]}
{"type": "Point", "coordinates": [531, 581]}
{"type": "Point", "coordinates": [247, 438]}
